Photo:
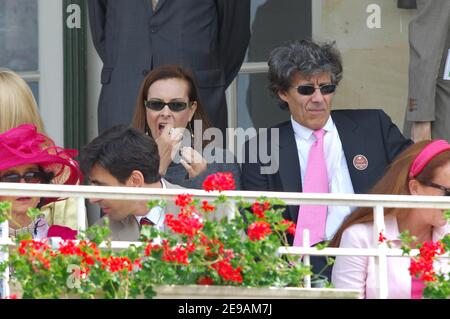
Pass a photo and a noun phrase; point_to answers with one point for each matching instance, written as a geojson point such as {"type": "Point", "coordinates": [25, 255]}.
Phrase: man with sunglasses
{"type": "Point", "coordinates": [319, 150]}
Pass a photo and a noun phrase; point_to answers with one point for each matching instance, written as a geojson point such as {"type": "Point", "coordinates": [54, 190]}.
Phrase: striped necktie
{"type": "Point", "coordinates": [146, 221]}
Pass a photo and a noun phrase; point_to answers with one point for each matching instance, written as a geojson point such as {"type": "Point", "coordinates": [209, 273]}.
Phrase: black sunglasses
{"type": "Point", "coordinates": [431, 184]}
{"type": "Point", "coordinates": [159, 105]}
{"type": "Point", "coordinates": [28, 177]}
{"type": "Point", "coordinates": [325, 89]}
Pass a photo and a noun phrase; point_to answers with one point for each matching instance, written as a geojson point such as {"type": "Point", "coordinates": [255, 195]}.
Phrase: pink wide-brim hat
{"type": "Point", "coordinates": [24, 145]}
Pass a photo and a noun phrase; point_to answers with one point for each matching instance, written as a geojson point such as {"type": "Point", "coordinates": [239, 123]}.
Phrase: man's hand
{"type": "Point", "coordinates": [421, 131]}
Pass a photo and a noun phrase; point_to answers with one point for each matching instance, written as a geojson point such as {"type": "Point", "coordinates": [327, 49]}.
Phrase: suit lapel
{"type": "Point", "coordinates": [148, 6]}
{"type": "Point", "coordinates": [159, 5]}
{"type": "Point", "coordinates": [353, 143]}
{"type": "Point", "coordinates": [289, 169]}
{"type": "Point", "coordinates": [289, 163]}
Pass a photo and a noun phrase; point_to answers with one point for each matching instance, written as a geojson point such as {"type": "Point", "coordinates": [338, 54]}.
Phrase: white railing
{"type": "Point", "coordinates": [356, 200]}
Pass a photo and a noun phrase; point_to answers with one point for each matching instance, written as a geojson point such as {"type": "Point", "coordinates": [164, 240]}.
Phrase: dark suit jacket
{"type": "Point", "coordinates": [209, 36]}
{"type": "Point", "coordinates": [362, 132]}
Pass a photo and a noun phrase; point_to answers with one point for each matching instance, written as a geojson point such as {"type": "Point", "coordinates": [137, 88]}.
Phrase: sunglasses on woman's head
{"type": "Point", "coordinates": [325, 89]}
{"type": "Point", "coordinates": [156, 105]}
{"type": "Point", "coordinates": [28, 177]}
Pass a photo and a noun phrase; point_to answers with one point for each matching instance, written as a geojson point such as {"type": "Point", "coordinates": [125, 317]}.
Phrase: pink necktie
{"type": "Point", "coordinates": [316, 181]}
{"type": "Point", "coordinates": [417, 287]}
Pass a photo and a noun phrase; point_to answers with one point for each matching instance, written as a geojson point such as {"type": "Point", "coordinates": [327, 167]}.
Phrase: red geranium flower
{"type": "Point", "coordinates": [185, 225]}
{"type": "Point", "coordinates": [178, 254]}
{"type": "Point", "coordinates": [205, 281]}
{"type": "Point", "coordinates": [422, 266]}
{"type": "Point", "coordinates": [291, 226]}
{"type": "Point", "coordinates": [183, 200]}
{"type": "Point", "coordinates": [219, 182]}
{"type": "Point", "coordinates": [258, 230]}
{"type": "Point", "coordinates": [206, 207]}
{"type": "Point", "coordinates": [226, 271]}
{"type": "Point", "coordinates": [381, 238]}
{"type": "Point", "coordinates": [258, 209]}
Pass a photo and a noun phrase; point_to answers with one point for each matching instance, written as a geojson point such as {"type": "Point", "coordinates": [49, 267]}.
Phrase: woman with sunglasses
{"type": "Point", "coordinates": [422, 169]}
{"type": "Point", "coordinates": [18, 106]}
{"type": "Point", "coordinates": [168, 109]}
{"type": "Point", "coordinates": [30, 157]}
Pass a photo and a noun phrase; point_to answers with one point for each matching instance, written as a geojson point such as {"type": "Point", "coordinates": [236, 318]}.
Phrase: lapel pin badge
{"type": "Point", "coordinates": [360, 162]}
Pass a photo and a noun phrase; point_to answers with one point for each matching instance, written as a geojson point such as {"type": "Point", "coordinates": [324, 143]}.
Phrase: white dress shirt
{"type": "Point", "coordinates": [338, 175]}
{"type": "Point", "coordinates": [156, 215]}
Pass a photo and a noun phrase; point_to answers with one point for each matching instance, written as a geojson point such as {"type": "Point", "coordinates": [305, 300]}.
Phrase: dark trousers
{"type": "Point", "coordinates": [319, 265]}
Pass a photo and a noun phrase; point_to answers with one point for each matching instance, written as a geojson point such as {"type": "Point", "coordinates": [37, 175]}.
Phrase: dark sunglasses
{"type": "Point", "coordinates": [28, 177]}
{"type": "Point", "coordinates": [325, 89]}
{"type": "Point", "coordinates": [431, 184]}
{"type": "Point", "coordinates": [159, 105]}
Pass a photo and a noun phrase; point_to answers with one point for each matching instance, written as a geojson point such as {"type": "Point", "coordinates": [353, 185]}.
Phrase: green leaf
{"type": "Point", "coordinates": [156, 202]}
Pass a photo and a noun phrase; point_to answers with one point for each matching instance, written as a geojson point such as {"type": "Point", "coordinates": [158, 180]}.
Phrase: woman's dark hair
{"type": "Point", "coordinates": [170, 72]}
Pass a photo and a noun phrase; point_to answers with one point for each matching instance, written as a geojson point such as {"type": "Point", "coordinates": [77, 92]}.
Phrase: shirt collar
{"type": "Point", "coordinates": [305, 133]}
{"type": "Point", "coordinates": [154, 214]}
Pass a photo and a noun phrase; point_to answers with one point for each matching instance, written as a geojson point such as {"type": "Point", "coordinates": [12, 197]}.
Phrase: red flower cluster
{"type": "Point", "coordinates": [88, 250]}
{"type": "Point", "coordinates": [178, 254]}
{"type": "Point", "coordinates": [205, 281]}
{"type": "Point", "coordinates": [219, 182]}
{"type": "Point", "coordinates": [258, 209]}
{"type": "Point", "coordinates": [226, 271]}
{"type": "Point", "coordinates": [150, 247]}
{"type": "Point", "coordinates": [422, 267]}
{"type": "Point", "coordinates": [37, 250]}
{"type": "Point", "coordinates": [290, 226]}
{"type": "Point", "coordinates": [33, 247]}
{"type": "Point", "coordinates": [185, 224]}
{"type": "Point", "coordinates": [381, 238]}
{"type": "Point", "coordinates": [183, 200]}
{"type": "Point", "coordinates": [258, 230]}
{"type": "Point", "coordinates": [206, 207]}
{"type": "Point", "coordinates": [115, 264]}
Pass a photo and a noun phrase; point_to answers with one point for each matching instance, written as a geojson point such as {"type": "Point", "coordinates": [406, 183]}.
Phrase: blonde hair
{"type": "Point", "coordinates": [17, 103]}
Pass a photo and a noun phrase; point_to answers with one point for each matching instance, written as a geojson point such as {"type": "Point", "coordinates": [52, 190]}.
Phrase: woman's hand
{"type": "Point", "coordinates": [168, 143]}
{"type": "Point", "coordinates": [192, 161]}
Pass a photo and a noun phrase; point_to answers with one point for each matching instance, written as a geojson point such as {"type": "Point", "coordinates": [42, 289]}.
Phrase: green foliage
{"type": "Point", "coordinates": [197, 248]}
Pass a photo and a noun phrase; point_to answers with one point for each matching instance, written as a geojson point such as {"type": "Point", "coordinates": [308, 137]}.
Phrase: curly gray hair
{"type": "Point", "coordinates": [305, 58]}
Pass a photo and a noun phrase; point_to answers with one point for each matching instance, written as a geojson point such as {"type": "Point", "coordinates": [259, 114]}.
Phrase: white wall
{"type": "Point", "coordinates": [93, 86]}
{"type": "Point", "coordinates": [51, 65]}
